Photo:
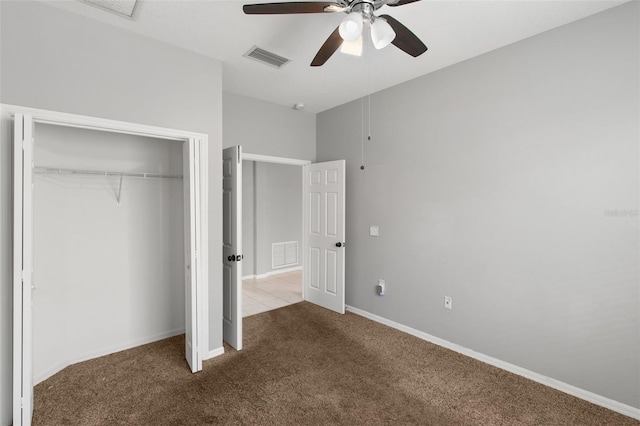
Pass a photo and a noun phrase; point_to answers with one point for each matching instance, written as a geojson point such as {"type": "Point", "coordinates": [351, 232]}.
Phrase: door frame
{"type": "Point", "coordinates": [40, 116]}
{"type": "Point", "coordinates": [291, 162]}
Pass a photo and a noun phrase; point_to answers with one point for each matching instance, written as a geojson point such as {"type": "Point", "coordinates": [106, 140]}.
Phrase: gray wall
{"type": "Point", "coordinates": [268, 129]}
{"type": "Point", "coordinates": [278, 210]}
{"type": "Point", "coordinates": [107, 276]}
{"type": "Point", "coordinates": [491, 181]}
{"type": "Point", "coordinates": [55, 60]}
{"type": "Point", "coordinates": [271, 213]}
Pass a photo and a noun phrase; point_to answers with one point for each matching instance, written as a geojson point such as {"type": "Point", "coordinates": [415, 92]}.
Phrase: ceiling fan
{"type": "Point", "coordinates": [384, 28]}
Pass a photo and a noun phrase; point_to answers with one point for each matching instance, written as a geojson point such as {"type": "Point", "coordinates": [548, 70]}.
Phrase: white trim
{"type": "Point", "coordinates": [101, 124]}
{"type": "Point", "coordinates": [270, 273]}
{"type": "Point", "coordinates": [594, 398]}
{"type": "Point", "coordinates": [270, 159]}
{"type": "Point", "coordinates": [305, 226]}
{"type": "Point", "coordinates": [203, 337]}
{"type": "Point", "coordinates": [44, 375]}
{"type": "Point", "coordinates": [215, 352]}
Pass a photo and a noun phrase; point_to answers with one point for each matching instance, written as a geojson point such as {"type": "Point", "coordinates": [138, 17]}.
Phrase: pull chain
{"type": "Point", "coordinates": [362, 133]}
{"type": "Point", "coordinates": [368, 90]}
{"type": "Point", "coordinates": [369, 98]}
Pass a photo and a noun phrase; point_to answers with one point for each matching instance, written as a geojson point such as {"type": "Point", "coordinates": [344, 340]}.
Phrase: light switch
{"type": "Point", "coordinates": [374, 231]}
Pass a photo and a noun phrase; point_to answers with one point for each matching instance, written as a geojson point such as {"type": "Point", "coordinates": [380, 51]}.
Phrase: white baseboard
{"type": "Point", "coordinates": [215, 352]}
{"type": "Point", "coordinates": [270, 273]}
{"type": "Point", "coordinates": [594, 398]}
{"type": "Point", "coordinates": [44, 375]}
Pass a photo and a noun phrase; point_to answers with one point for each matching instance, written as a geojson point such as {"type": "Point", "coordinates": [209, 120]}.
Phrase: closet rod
{"type": "Point", "coordinates": [58, 171]}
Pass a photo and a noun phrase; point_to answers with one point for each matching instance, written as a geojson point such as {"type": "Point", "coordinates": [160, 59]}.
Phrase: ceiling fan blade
{"type": "Point", "coordinates": [401, 2]}
{"type": "Point", "coordinates": [328, 48]}
{"type": "Point", "coordinates": [405, 39]}
{"type": "Point", "coordinates": [290, 7]}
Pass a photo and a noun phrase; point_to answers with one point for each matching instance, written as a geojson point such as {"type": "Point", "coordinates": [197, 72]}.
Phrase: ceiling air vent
{"type": "Point", "coordinates": [266, 57]}
{"type": "Point", "coordinates": [120, 7]}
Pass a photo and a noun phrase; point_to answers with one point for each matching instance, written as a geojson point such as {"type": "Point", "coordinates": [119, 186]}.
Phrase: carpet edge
{"type": "Point", "coordinates": [583, 394]}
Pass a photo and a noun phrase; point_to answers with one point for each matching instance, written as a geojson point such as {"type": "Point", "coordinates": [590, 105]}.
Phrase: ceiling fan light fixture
{"type": "Point", "coordinates": [351, 27]}
{"type": "Point", "coordinates": [381, 34]}
{"type": "Point", "coordinates": [353, 48]}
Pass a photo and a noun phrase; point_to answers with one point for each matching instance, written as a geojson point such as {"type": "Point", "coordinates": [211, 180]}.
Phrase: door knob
{"type": "Point", "coordinates": [231, 258]}
{"type": "Point", "coordinates": [339, 244]}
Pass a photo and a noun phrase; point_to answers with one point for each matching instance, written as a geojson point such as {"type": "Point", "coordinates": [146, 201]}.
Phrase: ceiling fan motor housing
{"type": "Point", "coordinates": [366, 8]}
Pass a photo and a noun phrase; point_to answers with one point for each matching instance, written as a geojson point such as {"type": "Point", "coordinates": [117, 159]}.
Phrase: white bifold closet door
{"type": "Point", "coordinates": [22, 269]}
{"type": "Point", "coordinates": [191, 160]}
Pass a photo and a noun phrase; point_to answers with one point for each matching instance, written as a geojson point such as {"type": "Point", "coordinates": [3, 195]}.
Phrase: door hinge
{"type": "Point", "coordinates": [31, 142]}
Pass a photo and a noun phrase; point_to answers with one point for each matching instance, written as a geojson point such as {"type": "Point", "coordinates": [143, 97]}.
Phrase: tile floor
{"type": "Point", "coordinates": [276, 291]}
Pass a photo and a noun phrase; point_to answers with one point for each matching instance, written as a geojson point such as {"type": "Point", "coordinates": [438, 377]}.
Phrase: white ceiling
{"type": "Point", "coordinates": [452, 30]}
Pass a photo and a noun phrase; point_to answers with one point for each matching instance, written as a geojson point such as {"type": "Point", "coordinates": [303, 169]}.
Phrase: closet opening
{"type": "Point", "coordinates": [108, 244]}
{"type": "Point", "coordinates": [109, 226]}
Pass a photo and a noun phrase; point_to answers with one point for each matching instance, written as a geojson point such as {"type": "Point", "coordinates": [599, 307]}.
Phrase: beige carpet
{"type": "Point", "coordinates": [305, 365]}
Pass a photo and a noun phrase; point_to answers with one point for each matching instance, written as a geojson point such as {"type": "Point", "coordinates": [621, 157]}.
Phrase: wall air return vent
{"type": "Point", "coordinates": [284, 254]}
{"type": "Point", "coordinates": [266, 57]}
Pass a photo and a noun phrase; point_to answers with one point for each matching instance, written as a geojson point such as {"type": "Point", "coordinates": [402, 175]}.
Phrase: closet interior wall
{"type": "Point", "coordinates": [107, 276]}
{"type": "Point", "coordinates": [271, 213]}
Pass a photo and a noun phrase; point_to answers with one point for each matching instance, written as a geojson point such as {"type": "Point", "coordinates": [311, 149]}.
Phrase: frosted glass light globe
{"type": "Point", "coordinates": [381, 34]}
{"type": "Point", "coordinates": [351, 27]}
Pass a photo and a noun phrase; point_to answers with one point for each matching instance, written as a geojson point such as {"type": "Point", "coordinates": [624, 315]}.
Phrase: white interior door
{"type": "Point", "coordinates": [324, 223]}
{"type": "Point", "coordinates": [232, 245]}
{"type": "Point", "coordinates": [191, 160]}
{"type": "Point", "coordinates": [22, 269]}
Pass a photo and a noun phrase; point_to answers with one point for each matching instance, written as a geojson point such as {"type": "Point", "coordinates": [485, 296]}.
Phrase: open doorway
{"type": "Point", "coordinates": [323, 233]}
{"type": "Point", "coordinates": [234, 255]}
{"type": "Point", "coordinates": [271, 236]}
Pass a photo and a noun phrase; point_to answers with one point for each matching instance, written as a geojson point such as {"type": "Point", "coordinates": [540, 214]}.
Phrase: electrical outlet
{"type": "Point", "coordinates": [374, 231]}
{"type": "Point", "coordinates": [448, 302]}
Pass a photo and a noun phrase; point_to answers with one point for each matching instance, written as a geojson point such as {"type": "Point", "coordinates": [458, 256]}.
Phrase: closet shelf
{"type": "Point", "coordinates": [59, 171]}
